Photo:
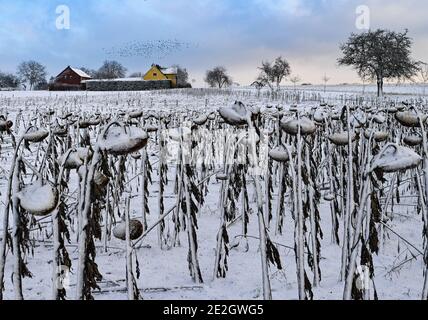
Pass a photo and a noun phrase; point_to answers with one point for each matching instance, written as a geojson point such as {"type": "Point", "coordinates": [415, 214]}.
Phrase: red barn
{"type": "Point", "coordinates": [70, 79]}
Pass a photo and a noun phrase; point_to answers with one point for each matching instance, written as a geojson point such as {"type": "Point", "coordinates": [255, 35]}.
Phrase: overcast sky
{"type": "Point", "coordinates": [200, 34]}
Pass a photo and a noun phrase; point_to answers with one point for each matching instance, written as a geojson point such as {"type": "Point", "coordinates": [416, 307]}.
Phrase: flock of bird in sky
{"type": "Point", "coordinates": [157, 49]}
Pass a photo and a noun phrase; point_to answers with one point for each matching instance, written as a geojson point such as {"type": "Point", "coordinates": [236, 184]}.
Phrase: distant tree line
{"type": "Point", "coordinates": [377, 55]}
{"type": "Point", "coordinates": [271, 75]}
{"type": "Point", "coordinates": [32, 75]}
{"type": "Point", "coordinates": [9, 80]}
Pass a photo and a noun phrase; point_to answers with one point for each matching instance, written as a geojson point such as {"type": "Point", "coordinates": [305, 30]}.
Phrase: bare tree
{"type": "Point", "coordinates": [274, 73]}
{"type": "Point", "coordinates": [41, 85]}
{"type": "Point", "coordinates": [325, 80]}
{"type": "Point", "coordinates": [264, 80]}
{"type": "Point", "coordinates": [295, 80]}
{"type": "Point", "coordinates": [380, 55]}
{"type": "Point", "coordinates": [8, 80]}
{"type": "Point", "coordinates": [89, 72]}
{"type": "Point", "coordinates": [182, 76]}
{"type": "Point", "coordinates": [218, 77]}
{"type": "Point", "coordinates": [364, 85]}
{"type": "Point", "coordinates": [137, 74]}
{"type": "Point", "coordinates": [423, 76]}
{"type": "Point", "coordinates": [281, 69]}
{"type": "Point", "coordinates": [111, 70]}
{"type": "Point", "coordinates": [259, 85]}
{"type": "Point", "coordinates": [31, 72]}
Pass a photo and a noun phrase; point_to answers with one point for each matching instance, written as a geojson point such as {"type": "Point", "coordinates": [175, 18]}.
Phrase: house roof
{"type": "Point", "coordinates": [171, 70]}
{"type": "Point", "coordinates": [77, 71]}
{"type": "Point", "coordinates": [81, 73]}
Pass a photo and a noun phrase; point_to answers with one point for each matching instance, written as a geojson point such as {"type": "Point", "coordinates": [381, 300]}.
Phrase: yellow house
{"type": "Point", "coordinates": [156, 72]}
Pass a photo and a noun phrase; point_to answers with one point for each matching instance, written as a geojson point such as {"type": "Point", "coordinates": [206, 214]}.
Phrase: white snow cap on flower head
{"type": "Point", "coordinates": [177, 134]}
{"type": "Point", "coordinates": [379, 119]}
{"type": "Point", "coordinates": [238, 114]}
{"type": "Point", "coordinates": [394, 158]}
{"type": "Point", "coordinates": [320, 115]}
{"type": "Point", "coordinates": [76, 158]}
{"type": "Point", "coordinates": [135, 229]}
{"type": "Point", "coordinates": [120, 140]}
{"type": "Point", "coordinates": [38, 199]}
{"type": "Point", "coordinates": [202, 119]}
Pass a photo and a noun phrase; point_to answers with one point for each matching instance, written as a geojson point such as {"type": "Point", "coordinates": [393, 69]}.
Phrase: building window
{"type": "Point", "coordinates": [155, 74]}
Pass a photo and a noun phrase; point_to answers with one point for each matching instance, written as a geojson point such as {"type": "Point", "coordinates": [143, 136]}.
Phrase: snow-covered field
{"type": "Point", "coordinates": [164, 272]}
{"type": "Point", "coordinates": [389, 89]}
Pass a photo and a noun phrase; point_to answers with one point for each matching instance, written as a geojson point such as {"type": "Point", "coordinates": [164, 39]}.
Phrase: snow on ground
{"type": "Point", "coordinates": [168, 269]}
{"type": "Point", "coordinates": [389, 89]}
{"type": "Point", "coordinates": [164, 273]}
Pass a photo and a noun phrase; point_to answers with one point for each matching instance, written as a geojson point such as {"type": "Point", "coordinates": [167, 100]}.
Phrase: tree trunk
{"type": "Point", "coordinates": [379, 87]}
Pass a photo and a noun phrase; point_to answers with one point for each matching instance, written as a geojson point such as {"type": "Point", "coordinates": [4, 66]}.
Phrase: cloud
{"type": "Point", "coordinates": [289, 7]}
{"type": "Point", "coordinates": [238, 34]}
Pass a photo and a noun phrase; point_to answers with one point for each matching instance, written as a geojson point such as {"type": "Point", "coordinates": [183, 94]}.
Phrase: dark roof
{"type": "Point", "coordinates": [79, 72]}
